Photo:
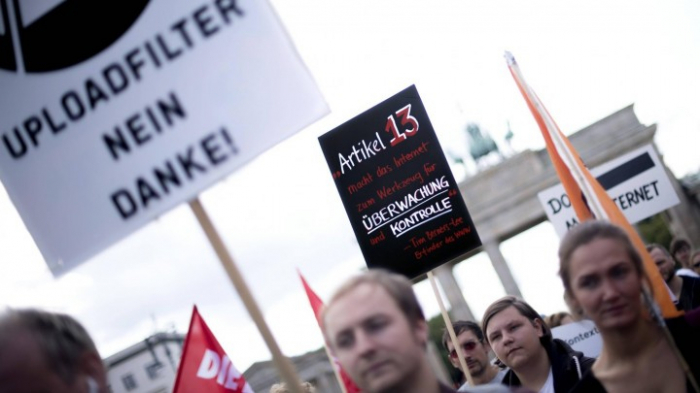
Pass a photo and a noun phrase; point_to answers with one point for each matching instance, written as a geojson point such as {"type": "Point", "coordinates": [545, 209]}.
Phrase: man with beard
{"type": "Point", "coordinates": [476, 354]}
{"type": "Point", "coordinates": [685, 289]}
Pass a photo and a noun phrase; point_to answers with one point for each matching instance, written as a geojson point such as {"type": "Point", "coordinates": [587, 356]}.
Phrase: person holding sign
{"type": "Point", "coordinates": [603, 273]}
{"type": "Point", "coordinates": [375, 326]}
{"type": "Point", "coordinates": [523, 342]}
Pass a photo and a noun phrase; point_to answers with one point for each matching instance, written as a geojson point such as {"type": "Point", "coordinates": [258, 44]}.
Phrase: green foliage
{"type": "Point", "coordinates": [655, 230]}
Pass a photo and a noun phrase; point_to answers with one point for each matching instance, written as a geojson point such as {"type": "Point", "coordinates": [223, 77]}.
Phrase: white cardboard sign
{"type": "Point", "coordinates": [99, 136]}
{"type": "Point", "coordinates": [636, 182]}
{"type": "Point", "coordinates": [582, 336]}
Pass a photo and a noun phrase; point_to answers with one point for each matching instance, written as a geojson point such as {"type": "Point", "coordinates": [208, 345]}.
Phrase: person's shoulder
{"type": "Point", "coordinates": [690, 280]}
{"type": "Point", "coordinates": [588, 384]}
{"type": "Point", "coordinates": [510, 379]}
{"type": "Point", "coordinates": [566, 349]}
{"type": "Point", "coordinates": [500, 375]}
{"type": "Point", "coordinates": [687, 273]}
{"type": "Point", "coordinates": [495, 388]}
{"type": "Point", "coordinates": [575, 360]}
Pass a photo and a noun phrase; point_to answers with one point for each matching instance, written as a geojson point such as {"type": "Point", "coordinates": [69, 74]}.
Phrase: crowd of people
{"type": "Point", "coordinates": [375, 327]}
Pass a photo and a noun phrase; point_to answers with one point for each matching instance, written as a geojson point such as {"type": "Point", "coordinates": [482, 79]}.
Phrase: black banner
{"type": "Point", "coordinates": [397, 188]}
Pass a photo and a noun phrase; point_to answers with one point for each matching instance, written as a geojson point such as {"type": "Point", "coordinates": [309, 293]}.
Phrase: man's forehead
{"type": "Point", "coordinates": [505, 317]}
{"type": "Point", "coordinates": [467, 335]}
{"type": "Point", "coordinates": [658, 252]}
{"type": "Point", "coordinates": [367, 296]}
{"type": "Point", "coordinates": [363, 300]}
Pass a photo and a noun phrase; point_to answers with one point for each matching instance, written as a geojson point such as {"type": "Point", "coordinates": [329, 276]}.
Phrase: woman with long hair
{"type": "Point", "coordinates": [603, 275]}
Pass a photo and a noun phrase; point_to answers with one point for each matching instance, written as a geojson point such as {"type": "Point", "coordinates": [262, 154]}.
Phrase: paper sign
{"type": "Point", "coordinates": [399, 194]}
{"type": "Point", "coordinates": [636, 182]}
{"type": "Point", "coordinates": [582, 336]}
{"type": "Point", "coordinates": [112, 113]}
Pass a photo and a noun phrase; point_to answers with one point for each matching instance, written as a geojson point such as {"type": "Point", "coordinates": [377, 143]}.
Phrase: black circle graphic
{"type": "Point", "coordinates": [68, 34]}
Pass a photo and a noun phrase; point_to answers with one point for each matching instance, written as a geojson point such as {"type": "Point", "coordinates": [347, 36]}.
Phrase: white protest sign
{"type": "Point", "coordinates": [636, 182]}
{"type": "Point", "coordinates": [112, 113]}
{"type": "Point", "coordinates": [582, 336]}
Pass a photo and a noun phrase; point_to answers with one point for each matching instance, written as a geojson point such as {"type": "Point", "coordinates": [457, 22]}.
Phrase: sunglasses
{"type": "Point", "coordinates": [467, 346]}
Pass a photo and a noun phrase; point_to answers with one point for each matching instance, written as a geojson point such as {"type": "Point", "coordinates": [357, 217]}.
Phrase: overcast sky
{"type": "Point", "coordinates": [281, 212]}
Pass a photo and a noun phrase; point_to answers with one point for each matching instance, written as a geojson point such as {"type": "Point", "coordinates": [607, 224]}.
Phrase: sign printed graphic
{"type": "Point", "coordinates": [582, 336]}
{"type": "Point", "coordinates": [636, 182]}
{"type": "Point", "coordinates": [398, 191]}
{"type": "Point", "coordinates": [51, 34]}
{"type": "Point", "coordinates": [168, 96]}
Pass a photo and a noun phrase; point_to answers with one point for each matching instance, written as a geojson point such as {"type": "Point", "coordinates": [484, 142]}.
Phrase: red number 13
{"type": "Point", "coordinates": [406, 118]}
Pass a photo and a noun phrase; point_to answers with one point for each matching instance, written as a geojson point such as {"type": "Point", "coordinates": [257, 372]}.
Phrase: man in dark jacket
{"type": "Point", "coordinates": [524, 343]}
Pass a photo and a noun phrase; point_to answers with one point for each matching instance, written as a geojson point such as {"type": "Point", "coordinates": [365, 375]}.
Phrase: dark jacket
{"type": "Point", "coordinates": [686, 333]}
{"type": "Point", "coordinates": [689, 298]}
{"type": "Point", "coordinates": [445, 389]}
{"type": "Point", "coordinates": [568, 366]}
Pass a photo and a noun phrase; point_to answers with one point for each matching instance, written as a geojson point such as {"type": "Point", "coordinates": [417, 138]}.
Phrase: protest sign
{"type": "Point", "coordinates": [113, 114]}
{"type": "Point", "coordinates": [399, 194]}
{"type": "Point", "coordinates": [635, 181]}
{"type": "Point", "coordinates": [582, 336]}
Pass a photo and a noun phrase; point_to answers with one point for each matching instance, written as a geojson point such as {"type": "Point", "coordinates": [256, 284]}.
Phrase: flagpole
{"type": "Point", "coordinates": [552, 127]}
{"type": "Point", "coordinates": [450, 330]}
{"type": "Point", "coordinates": [316, 305]}
{"type": "Point", "coordinates": [284, 366]}
{"type": "Point", "coordinates": [335, 369]}
{"type": "Point", "coordinates": [596, 199]}
{"type": "Point", "coordinates": [585, 183]}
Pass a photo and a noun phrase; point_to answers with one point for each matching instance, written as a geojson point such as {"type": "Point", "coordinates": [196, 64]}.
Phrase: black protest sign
{"type": "Point", "coordinates": [400, 196]}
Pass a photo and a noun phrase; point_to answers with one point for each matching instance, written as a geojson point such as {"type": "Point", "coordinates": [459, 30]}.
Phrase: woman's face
{"type": "Point", "coordinates": [605, 284]}
{"type": "Point", "coordinates": [514, 338]}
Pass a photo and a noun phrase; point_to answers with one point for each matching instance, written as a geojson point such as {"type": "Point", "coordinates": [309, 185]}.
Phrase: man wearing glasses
{"type": "Point", "coordinates": [476, 354]}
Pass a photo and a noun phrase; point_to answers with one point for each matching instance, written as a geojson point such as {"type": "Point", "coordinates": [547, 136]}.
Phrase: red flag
{"type": "Point", "coordinates": [314, 300]}
{"type": "Point", "coordinates": [204, 366]}
{"type": "Point", "coordinates": [579, 183]}
{"type": "Point", "coordinates": [317, 305]}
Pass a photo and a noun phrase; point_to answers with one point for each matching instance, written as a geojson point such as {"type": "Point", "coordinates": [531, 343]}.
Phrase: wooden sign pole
{"type": "Point", "coordinates": [450, 330]}
{"type": "Point", "coordinates": [284, 366]}
{"type": "Point", "coordinates": [335, 369]}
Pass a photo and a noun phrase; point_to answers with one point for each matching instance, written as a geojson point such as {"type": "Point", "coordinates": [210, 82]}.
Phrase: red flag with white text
{"type": "Point", "coordinates": [316, 305]}
{"type": "Point", "coordinates": [204, 366]}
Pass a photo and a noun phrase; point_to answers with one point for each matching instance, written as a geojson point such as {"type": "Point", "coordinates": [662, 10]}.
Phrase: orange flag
{"type": "Point", "coordinates": [316, 306]}
{"type": "Point", "coordinates": [204, 366]}
{"type": "Point", "coordinates": [587, 196]}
